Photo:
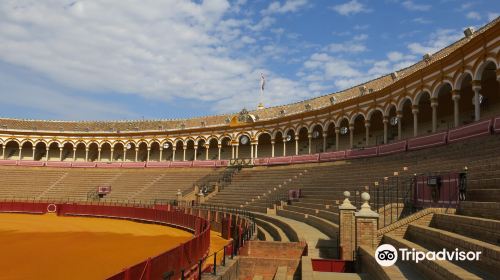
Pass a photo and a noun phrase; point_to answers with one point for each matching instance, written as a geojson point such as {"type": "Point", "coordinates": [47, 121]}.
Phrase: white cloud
{"type": "Point", "coordinates": [350, 8]}
{"type": "Point", "coordinates": [288, 6]}
{"type": "Point", "coordinates": [422, 20]}
{"type": "Point", "coordinates": [437, 40]}
{"type": "Point", "coordinates": [412, 6]}
{"type": "Point", "coordinates": [473, 15]}
{"type": "Point", "coordinates": [355, 45]}
{"type": "Point", "coordinates": [492, 16]}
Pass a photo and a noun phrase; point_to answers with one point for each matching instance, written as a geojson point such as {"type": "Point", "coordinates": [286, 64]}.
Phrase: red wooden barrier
{"type": "Point", "coordinates": [471, 130]}
{"type": "Point", "coordinates": [427, 141]}
{"type": "Point", "coordinates": [361, 153]}
{"type": "Point", "coordinates": [329, 265]}
{"type": "Point", "coordinates": [392, 148]}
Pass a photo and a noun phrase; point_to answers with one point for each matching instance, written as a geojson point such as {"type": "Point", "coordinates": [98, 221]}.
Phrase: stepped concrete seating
{"type": "Point", "coordinates": [75, 184]}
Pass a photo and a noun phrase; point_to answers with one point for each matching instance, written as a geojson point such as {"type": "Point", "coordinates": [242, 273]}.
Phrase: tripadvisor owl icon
{"type": "Point", "coordinates": [386, 255]}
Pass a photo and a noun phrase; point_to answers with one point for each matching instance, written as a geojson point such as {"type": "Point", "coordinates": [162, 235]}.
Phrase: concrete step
{"type": "Point", "coordinates": [482, 229]}
{"type": "Point", "coordinates": [326, 227]}
{"type": "Point", "coordinates": [486, 195]}
{"type": "Point", "coordinates": [488, 210]}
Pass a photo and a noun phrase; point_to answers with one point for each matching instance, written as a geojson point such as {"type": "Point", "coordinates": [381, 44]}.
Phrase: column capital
{"type": "Point", "coordinates": [351, 126]}
{"type": "Point", "coordinates": [476, 85]}
{"type": "Point", "coordinates": [385, 119]}
{"type": "Point", "coordinates": [347, 205]}
{"type": "Point", "coordinates": [337, 130]}
{"type": "Point", "coordinates": [434, 103]}
{"type": "Point", "coordinates": [366, 211]}
{"type": "Point", "coordinates": [367, 123]}
{"type": "Point", "coordinates": [325, 134]}
{"type": "Point", "coordinates": [399, 114]}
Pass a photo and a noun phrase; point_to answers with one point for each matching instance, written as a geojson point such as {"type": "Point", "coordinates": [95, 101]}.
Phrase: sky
{"type": "Point", "coordinates": [169, 59]}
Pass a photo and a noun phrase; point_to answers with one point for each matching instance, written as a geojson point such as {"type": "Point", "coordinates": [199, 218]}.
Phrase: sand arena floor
{"type": "Point", "coordinates": [52, 247]}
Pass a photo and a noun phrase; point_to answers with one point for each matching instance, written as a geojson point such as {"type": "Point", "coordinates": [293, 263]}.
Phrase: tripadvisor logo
{"type": "Point", "coordinates": [387, 255]}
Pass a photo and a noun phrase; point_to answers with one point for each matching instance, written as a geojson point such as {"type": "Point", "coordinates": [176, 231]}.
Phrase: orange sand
{"type": "Point", "coordinates": [52, 247]}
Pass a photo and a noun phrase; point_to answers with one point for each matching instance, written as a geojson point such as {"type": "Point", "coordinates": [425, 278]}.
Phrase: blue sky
{"type": "Point", "coordinates": [131, 59]}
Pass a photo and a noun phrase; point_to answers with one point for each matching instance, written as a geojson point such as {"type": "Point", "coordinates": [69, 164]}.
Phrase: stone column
{"type": "Point", "coordinates": [20, 152]}
{"type": "Point", "coordinates": [220, 148]}
{"type": "Point", "coordinates": [99, 154]}
{"type": "Point", "coordinates": [434, 105]}
{"type": "Point", "coordinates": [86, 154]}
{"type": "Point", "coordinates": [284, 147]}
{"type": "Point", "coordinates": [476, 87]}
{"type": "Point", "coordinates": [337, 136]}
{"type": "Point", "coordinates": [207, 146]}
{"type": "Point", "coordinates": [256, 150]}
{"type": "Point", "coordinates": [47, 154]}
{"type": "Point", "coordinates": [111, 157]}
{"type": "Point", "coordinates": [173, 153]}
{"type": "Point", "coordinates": [237, 151]}
{"type": "Point", "coordinates": [351, 135]}
{"type": "Point", "coordinates": [251, 150]}
{"type": "Point", "coordinates": [74, 154]}
{"type": "Point", "coordinates": [456, 104]}
{"type": "Point", "coordinates": [34, 151]}
{"type": "Point", "coordinates": [347, 229]}
{"type": "Point", "coordinates": [367, 132]}
{"type": "Point", "coordinates": [272, 148]}
{"type": "Point", "coordinates": [309, 137]}
{"type": "Point", "coordinates": [325, 135]}
{"type": "Point", "coordinates": [60, 153]}
{"type": "Point", "coordinates": [3, 151]}
{"type": "Point", "coordinates": [232, 151]}
{"type": "Point", "coordinates": [399, 115]}
{"type": "Point", "coordinates": [124, 154]}
{"type": "Point", "coordinates": [366, 224]}
{"type": "Point", "coordinates": [386, 122]}
{"type": "Point", "coordinates": [161, 153]}
{"type": "Point", "coordinates": [297, 145]}
{"type": "Point", "coordinates": [414, 111]}
{"type": "Point", "coordinates": [195, 151]}
{"type": "Point", "coordinates": [184, 148]}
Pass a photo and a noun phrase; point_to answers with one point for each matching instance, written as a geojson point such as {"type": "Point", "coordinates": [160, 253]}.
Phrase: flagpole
{"type": "Point", "coordinates": [261, 97]}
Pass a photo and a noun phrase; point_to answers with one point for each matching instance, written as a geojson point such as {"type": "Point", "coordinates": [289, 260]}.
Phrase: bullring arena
{"type": "Point", "coordinates": [307, 190]}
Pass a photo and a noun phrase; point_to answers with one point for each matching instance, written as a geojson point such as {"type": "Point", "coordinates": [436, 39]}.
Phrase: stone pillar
{"type": "Point", "coordinates": [47, 154]}
{"type": "Point", "coordinates": [99, 154]}
{"type": "Point", "coordinates": [434, 105]}
{"type": "Point", "coordinates": [195, 152]}
{"type": "Point", "coordinates": [74, 154]}
{"type": "Point", "coordinates": [111, 157]}
{"type": "Point", "coordinates": [3, 151]}
{"type": "Point", "coordinates": [173, 153]}
{"type": "Point", "coordinates": [351, 136]}
{"type": "Point", "coordinates": [60, 154]}
{"type": "Point", "coordinates": [456, 103]}
{"type": "Point", "coordinates": [136, 153]}
{"type": "Point", "coordinates": [399, 115]}
{"type": "Point", "coordinates": [161, 153]}
{"type": "Point", "coordinates": [86, 154]}
{"type": "Point", "coordinates": [325, 135]}
{"type": "Point", "coordinates": [476, 87]}
{"type": "Point", "coordinates": [220, 148]}
{"type": "Point", "coordinates": [184, 148]}
{"type": "Point", "coordinates": [232, 151]}
{"type": "Point", "coordinates": [337, 136]}
{"type": "Point", "coordinates": [179, 195]}
{"type": "Point", "coordinates": [297, 145]}
{"type": "Point", "coordinates": [284, 147]}
{"type": "Point", "coordinates": [386, 122]}
{"type": "Point", "coordinates": [272, 148]}
{"type": "Point", "coordinates": [207, 146]}
{"type": "Point", "coordinates": [347, 229]}
{"type": "Point", "coordinates": [367, 132]}
{"type": "Point", "coordinates": [124, 154]}
{"type": "Point", "coordinates": [256, 150]}
{"type": "Point", "coordinates": [34, 150]}
{"type": "Point", "coordinates": [237, 151]}
{"type": "Point", "coordinates": [20, 152]}
{"type": "Point", "coordinates": [251, 150]}
{"type": "Point", "coordinates": [309, 137]}
{"type": "Point", "coordinates": [366, 224]}
{"type": "Point", "coordinates": [414, 111]}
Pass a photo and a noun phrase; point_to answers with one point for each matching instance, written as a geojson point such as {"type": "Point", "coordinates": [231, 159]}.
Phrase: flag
{"type": "Point", "coordinates": [262, 82]}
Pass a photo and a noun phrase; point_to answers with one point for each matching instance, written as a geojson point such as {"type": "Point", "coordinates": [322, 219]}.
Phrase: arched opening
{"type": "Point", "coordinates": [105, 152]}
{"type": "Point", "coordinates": [466, 106]}
{"type": "Point", "coordinates": [93, 152]}
{"type": "Point", "coordinates": [444, 111]}
{"type": "Point", "coordinates": [406, 120]}
{"type": "Point", "coordinates": [27, 151]}
{"type": "Point", "coordinates": [168, 149]}
{"type": "Point", "coordinates": [344, 141]}
{"type": "Point", "coordinates": [201, 152]}
{"type": "Point", "coordinates": [490, 101]}
{"type": "Point", "coordinates": [278, 144]}
{"type": "Point", "coordinates": [317, 139]}
{"type": "Point", "coordinates": [290, 143]}
{"type": "Point", "coordinates": [54, 151]}
{"type": "Point", "coordinates": [424, 115]}
{"type": "Point", "coordinates": [359, 132]}
{"type": "Point", "coordinates": [80, 152]}
{"type": "Point", "coordinates": [244, 149]}
{"type": "Point", "coordinates": [392, 125]}
{"type": "Point", "coordinates": [12, 150]}
{"type": "Point", "coordinates": [376, 129]}
{"type": "Point", "coordinates": [179, 151]}
{"type": "Point", "coordinates": [189, 150]}
{"type": "Point", "coordinates": [213, 149]}
{"type": "Point", "coordinates": [154, 153]}
{"type": "Point", "coordinates": [226, 148]}
{"type": "Point", "coordinates": [130, 152]}
{"type": "Point", "coordinates": [40, 151]}
{"type": "Point", "coordinates": [264, 147]}
{"type": "Point", "coordinates": [142, 155]}
{"type": "Point", "coordinates": [118, 150]}
{"type": "Point", "coordinates": [303, 143]}
{"type": "Point", "coordinates": [330, 137]}
{"type": "Point", "coordinates": [67, 154]}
